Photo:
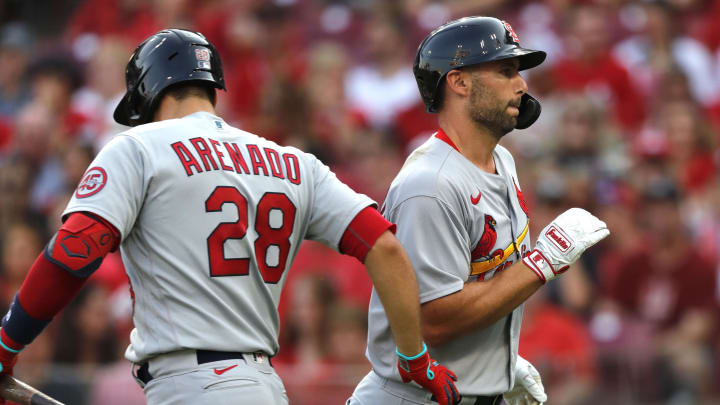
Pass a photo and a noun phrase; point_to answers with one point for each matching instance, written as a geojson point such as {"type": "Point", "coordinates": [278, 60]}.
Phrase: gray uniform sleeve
{"type": "Point", "coordinates": [121, 191]}
{"type": "Point", "coordinates": [334, 205]}
{"type": "Point", "coordinates": [436, 242]}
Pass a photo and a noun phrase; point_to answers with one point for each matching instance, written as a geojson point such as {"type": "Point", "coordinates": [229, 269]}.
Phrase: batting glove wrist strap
{"type": "Point", "coordinates": [8, 352]}
{"type": "Point", "coordinates": [562, 242]}
{"type": "Point", "coordinates": [430, 375]}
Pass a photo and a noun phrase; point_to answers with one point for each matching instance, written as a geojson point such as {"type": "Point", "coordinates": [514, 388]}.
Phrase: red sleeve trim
{"type": "Point", "coordinates": [47, 289]}
{"type": "Point", "coordinates": [363, 231]}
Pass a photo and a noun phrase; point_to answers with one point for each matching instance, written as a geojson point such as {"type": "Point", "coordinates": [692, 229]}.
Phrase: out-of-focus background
{"type": "Point", "coordinates": [629, 130]}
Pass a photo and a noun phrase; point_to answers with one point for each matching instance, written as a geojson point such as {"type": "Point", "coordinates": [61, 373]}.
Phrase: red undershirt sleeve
{"type": "Point", "coordinates": [363, 231]}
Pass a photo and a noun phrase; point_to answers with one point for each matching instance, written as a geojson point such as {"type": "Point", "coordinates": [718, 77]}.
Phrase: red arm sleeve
{"type": "Point", "coordinates": [49, 287]}
{"type": "Point", "coordinates": [363, 231]}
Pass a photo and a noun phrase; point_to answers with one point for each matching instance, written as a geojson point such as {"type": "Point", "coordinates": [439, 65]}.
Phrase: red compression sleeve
{"type": "Point", "coordinates": [48, 287]}
{"type": "Point", "coordinates": [363, 231]}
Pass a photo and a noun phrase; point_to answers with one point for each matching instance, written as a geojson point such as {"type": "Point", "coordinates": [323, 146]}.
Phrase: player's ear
{"type": "Point", "coordinates": [458, 82]}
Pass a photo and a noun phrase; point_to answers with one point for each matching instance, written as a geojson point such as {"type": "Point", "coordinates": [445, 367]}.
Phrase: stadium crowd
{"type": "Point", "coordinates": [630, 130]}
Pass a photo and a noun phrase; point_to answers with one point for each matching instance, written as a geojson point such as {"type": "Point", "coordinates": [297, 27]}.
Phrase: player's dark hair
{"type": "Point", "coordinates": [184, 90]}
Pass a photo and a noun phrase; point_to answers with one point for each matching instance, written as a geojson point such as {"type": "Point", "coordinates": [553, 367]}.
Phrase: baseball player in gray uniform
{"type": "Point", "coordinates": [461, 215]}
{"type": "Point", "coordinates": [208, 219]}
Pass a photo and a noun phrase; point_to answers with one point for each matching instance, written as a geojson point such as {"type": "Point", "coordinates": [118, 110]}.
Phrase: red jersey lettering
{"type": "Point", "coordinates": [257, 160]}
{"type": "Point", "coordinates": [273, 159]}
{"type": "Point", "coordinates": [203, 151]}
{"type": "Point", "coordinates": [236, 157]}
{"type": "Point", "coordinates": [219, 155]}
{"type": "Point", "coordinates": [186, 158]}
{"type": "Point", "coordinates": [292, 168]}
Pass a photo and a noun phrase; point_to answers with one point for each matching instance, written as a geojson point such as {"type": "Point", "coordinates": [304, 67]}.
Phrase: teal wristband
{"type": "Point", "coordinates": [10, 349]}
{"type": "Point", "coordinates": [404, 357]}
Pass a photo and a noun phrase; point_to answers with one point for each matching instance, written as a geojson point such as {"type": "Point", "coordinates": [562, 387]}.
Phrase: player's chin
{"type": "Point", "coordinates": [509, 123]}
{"type": "Point", "coordinates": [512, 115]}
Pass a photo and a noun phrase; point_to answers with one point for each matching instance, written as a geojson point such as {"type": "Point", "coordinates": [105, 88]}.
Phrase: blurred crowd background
{"type": "Point", "coordinates": [629, 130]}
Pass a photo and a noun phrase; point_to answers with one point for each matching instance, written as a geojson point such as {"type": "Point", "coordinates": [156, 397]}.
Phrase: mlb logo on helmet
{"type": "Point", "coordinates": [203, 57]}
{"type": "Point", "coordinates": [511, 32]}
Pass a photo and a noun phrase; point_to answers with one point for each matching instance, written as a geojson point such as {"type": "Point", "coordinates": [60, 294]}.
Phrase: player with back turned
{"type": "Point", "coordinates": [208, 219]}
{"type": "Point", "coordinates": [462, 218]}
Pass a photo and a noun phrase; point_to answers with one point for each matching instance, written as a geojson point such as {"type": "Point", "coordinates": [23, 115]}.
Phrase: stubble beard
{"type": "Point", "coordinates": [488, 112]}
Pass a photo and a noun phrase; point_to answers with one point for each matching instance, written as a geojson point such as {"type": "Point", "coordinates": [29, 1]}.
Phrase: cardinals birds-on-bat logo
{"type": "Point", "coordinates": [487, 241]}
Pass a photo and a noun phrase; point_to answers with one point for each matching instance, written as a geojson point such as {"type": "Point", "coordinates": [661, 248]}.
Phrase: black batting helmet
{"type": "Point", "coordinates": [168, 57]}
{"type": "Point", "coordinates": [470, 41]}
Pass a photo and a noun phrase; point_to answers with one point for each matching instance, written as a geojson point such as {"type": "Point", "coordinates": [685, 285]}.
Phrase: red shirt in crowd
{"type": "Point", "coordinates": [663, 297]}
{"type": "Point", "coordinates": [605, 72]}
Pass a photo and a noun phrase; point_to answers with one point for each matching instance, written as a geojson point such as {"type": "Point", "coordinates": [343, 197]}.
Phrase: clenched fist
{"type": "Point", "coordinates": [562, 242]}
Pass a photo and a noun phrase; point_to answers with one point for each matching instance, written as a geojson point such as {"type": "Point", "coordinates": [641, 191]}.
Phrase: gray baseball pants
{"type": "Point", "coordinates": [178, 379]}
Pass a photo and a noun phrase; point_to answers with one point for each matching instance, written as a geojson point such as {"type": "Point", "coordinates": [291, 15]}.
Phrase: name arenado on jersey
{"type": "Point", "coordinates": [215, 156]}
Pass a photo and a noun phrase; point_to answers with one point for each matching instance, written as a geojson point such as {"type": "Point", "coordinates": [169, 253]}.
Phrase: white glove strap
{"type": "Point", "coordinates": [539, 264]}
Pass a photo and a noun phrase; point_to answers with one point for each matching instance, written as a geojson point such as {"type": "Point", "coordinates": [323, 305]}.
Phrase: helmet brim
{"type": "Point", "coordinates": [122, 111]}
{"type": "Point", "coordinates": [529, 58]}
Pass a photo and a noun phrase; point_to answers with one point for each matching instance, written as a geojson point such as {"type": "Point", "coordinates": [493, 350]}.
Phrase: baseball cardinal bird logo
{"type": "Point", "coordinates": [487, 241]}
{"type": "Point", "coordinates": [521, 199]}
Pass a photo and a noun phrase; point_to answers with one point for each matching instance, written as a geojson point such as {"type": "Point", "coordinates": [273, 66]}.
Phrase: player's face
{"type": "Point", "coordinates": [495, 95]}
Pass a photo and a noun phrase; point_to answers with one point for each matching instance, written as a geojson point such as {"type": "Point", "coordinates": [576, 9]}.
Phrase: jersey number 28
{"type": "Point", "coordinates": [267, 235]}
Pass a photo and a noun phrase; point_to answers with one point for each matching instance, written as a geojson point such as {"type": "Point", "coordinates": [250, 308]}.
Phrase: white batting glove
{"type": "Point", "coordinates": [528, 389]}
{"type": "Point", "coordinates": [562, 242]}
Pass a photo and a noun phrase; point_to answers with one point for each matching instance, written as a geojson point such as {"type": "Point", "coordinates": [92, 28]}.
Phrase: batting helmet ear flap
{"type": "Point", "coordinates": [529, 111]}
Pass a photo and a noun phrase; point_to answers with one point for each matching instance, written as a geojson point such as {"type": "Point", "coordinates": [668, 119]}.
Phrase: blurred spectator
{"type": "Point", "coordinates": [53, 80]}
{"type": "Point", "coordinates": [590, 68]}
{"type": "Point", "coordinates": [20, 246]}
{"type": "Point", "coordinates": [15, 47]}
{"type": "Point", "coordinates": [105, 86]}
{"type": "Point", "coordinates": [37, 142]}
{"type": "Point", "coordinates": [86, 336]}
{"type": "Point", "coordinates": [86, 339]}
{"type": "Point", "coordinates": [333, 128]}
{"type": "Point", "coordinates": [134, 19]}
{"type": "Point", "coordinates": [384, 85]}
{"type": "Point", "coordinates": [560, 347]}
{"type": "Point", "coordinates": [347, 336]}
{"type": "Point", "coordinates": [680, 135]}
{"type": "Point", "coordinates": [15, 185]}
{"type": "Point", "coordinates": [669, 287]}
{"type": "Point", "coordinates": [306, 329]}
{"type": "Point", "coordinates": [345, 364]}
{"type": "Point", "coordinates": [245, 64]}
{"type": "Point", "coordinates": [659, 47]}
{"type": "Point", "coordinates": [303, 361]}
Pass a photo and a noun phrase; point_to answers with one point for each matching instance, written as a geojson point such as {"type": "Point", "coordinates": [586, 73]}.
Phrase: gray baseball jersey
{"type": "Point", "coordinates": [458, 224]}
{"type": "Point", "coordinates": [211, 218]}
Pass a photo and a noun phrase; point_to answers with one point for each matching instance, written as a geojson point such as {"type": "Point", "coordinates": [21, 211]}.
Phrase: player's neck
{"type": "Point", "coordinates": [473, 142]}
{"type": "Point", "coordinates": [171, 108]}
